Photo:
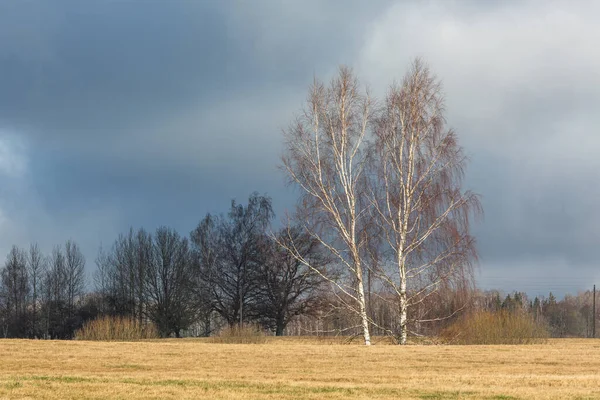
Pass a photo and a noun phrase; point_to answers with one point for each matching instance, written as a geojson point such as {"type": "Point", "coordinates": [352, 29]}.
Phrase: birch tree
{"type": "Point", "coordinates": [417, 195]}
{"type": "Point", "coordinates": [325, 158]}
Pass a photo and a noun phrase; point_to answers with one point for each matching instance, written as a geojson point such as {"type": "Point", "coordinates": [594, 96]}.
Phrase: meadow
{"type": "Point", "coordinates": [289, 368]}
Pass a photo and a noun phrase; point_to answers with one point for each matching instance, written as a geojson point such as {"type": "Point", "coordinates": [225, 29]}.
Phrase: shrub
{"type": "Point", "coordinates": [502, 327]}
{"type": "Point", "coordinates": [116, 328]}
{"type": "Point", "coordinates": [245, 334]}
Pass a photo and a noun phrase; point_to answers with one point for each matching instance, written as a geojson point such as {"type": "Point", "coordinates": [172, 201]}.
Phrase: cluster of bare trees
{"type": "Point", "coordinates": [251, 277]}
{"type": "Point", "coordinates": [40, 296]}
{"type": "Point", "coordinates": [230, 271]}
{"type": "Point", "coordinates": [382, 193]}
{"type": "Point", "coordinates": [147, 277]}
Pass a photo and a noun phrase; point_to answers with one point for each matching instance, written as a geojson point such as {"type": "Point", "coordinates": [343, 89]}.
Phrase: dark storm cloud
{"type": "Point", "coordinates": [141, 80]}
{"type": "Point", "coordinates": [105, 64]}
{"type": "Point", "coordinates": [149, 113]}
{"type": "Point", "coordinates": [89, 69]}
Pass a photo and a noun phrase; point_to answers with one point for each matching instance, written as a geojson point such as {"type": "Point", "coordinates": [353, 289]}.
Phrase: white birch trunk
{"type": "Point", "coordinates": [363, 308]}
{"type": "Point", "coordinates": [403, 313]}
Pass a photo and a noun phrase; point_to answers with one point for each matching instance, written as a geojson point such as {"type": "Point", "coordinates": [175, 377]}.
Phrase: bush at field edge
{"type": "Point", "coordinates": [501, 327]}
{"type": "Point", "coordinates": [108, 328]}
{"type": "Point", "coordinates": [243, 334]}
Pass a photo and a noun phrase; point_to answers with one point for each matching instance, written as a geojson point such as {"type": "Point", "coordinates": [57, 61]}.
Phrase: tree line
{"type": "Point", "coordinates": [571, 316]}
{"type": "Point", "coordinates": [230, 270]}
{"type": "Point", "coordinates": [41, 295]}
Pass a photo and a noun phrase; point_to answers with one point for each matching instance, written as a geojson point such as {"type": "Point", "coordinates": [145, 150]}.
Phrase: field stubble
{"type": "Point", "coordinates": [294, 369]}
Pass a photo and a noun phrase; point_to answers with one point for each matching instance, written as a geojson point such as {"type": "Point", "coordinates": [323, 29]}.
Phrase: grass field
{"type": "Point", "coordinates": [292, 369]}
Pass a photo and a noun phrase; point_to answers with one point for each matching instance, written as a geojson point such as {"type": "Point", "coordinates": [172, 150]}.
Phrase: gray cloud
{"type": "Point", "coordinates": [522, 89]}
{"type": "Point", "coordinates": [152, 113]}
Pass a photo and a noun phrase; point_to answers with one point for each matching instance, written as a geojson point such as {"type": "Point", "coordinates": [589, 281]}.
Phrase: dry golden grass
{"type": "Point", "coordinates": [296, 369]}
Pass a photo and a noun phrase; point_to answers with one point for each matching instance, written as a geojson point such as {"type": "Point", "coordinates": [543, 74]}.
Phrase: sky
{"type": "Point", "coordinates": [147, 113]}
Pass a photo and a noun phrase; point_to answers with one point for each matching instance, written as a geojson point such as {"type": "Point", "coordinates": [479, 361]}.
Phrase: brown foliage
{"type": "Point", "coordinates": [501, 327]}
{"type": "Point", "coordinates": [241, 334]}
{"type": "Point", "coordinates": [109, 328]}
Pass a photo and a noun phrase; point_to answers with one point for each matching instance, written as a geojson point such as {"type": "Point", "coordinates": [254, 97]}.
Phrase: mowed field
{"type": "Point", "coordinates": [296, 369]}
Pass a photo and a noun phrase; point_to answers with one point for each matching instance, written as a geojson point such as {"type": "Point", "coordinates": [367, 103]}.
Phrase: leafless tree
{"type": "Point", "coordinates": [36, 266]}
{"type": "Point", "coordinates": [417, 194]}
{"type": "Point", "coordinates": [121, 274]}
{"type": "Point", "coordinates": [205, 256]}
{"type": "Point", "coordinates": [228, 250]}
{"type": "Point", "coordinates": [125, 269]}
{"type": "Point", "coordinates": [14, 288]}
{"type": "Point", "coordinates": [144, 258]}
{"type": "Point", "coordinates": [55, 294]}
{"type": "Point", "coordinates": [102, 278]}
{"type": "Point", "coordinates": [288, 287]}
{"type": "Point", "coordinates": [74, 274]}
{"type": "Point", "coordinates": [169, 283]}
{"type": "Point", "coordinates": [325, 157]}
